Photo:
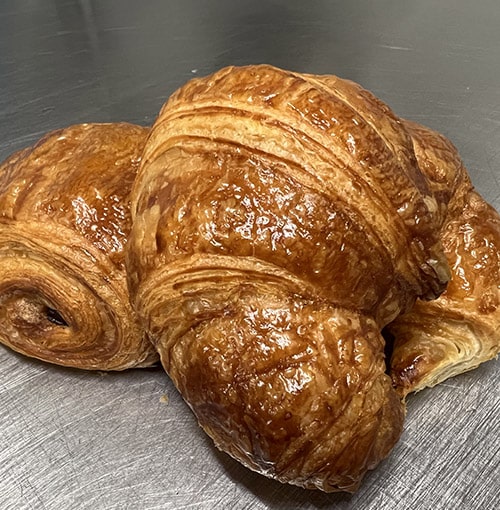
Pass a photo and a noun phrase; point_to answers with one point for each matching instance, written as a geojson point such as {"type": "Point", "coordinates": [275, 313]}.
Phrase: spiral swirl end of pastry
{"type": "Point", "coordinates": [50, 312]}
{"type": "Point", "coordinates": [64, 222]}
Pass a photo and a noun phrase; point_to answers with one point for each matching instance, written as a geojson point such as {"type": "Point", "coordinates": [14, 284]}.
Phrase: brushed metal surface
{"type": "Point", "coordinates": [71, 439]}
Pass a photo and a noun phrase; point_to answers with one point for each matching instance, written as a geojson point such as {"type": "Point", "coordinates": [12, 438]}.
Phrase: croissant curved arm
{"type": "Point", "coordinates": [461, 329]}
{"type": "Point", "coordinates": [64, 221]}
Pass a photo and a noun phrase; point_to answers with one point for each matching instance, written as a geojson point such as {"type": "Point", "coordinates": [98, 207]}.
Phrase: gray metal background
{"type": "Point", "coordinates": [70, 439]}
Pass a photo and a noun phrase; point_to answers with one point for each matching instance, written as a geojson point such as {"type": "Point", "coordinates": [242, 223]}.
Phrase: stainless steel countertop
{"type": "Point", "coordinates": [71, 439]}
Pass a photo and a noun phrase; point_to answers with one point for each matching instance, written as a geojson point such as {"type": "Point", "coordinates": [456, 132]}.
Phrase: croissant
{"type": "Point", "coordinates": [64, 221]}
{"type": "Point", "coordinates": [280, 221]}
{"type": "Point", "coordinates": [461, 329]}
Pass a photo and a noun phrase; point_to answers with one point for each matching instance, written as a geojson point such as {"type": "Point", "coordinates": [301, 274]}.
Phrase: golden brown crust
{"type": "Point", "coordinates": [293, 389]}
{"type": "Point", "coordinates": [64, 222]}
{"type": "Point", "coordinates": [280, 220]}
{"type": "Point", "coordinates": [460, 330]}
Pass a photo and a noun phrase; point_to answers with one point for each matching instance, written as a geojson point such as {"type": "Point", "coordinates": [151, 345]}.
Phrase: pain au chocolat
{"type": "Point", "coordinates": [280, 221]}
{"type": "Point", "coordinates": [64, 221]}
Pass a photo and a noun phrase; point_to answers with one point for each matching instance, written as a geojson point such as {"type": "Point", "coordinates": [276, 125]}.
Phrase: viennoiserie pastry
{"type": "Point", "coordinates": [280, 221]}
{"type": "Point", "coordinates": [64, 222]}
{"type": "Point", "coordinates": [455, 333]}
{"type": "Point", "coordinates": [283, 224]}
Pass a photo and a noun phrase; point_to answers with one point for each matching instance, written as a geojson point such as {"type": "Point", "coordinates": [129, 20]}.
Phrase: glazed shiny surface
{"type": "Point", "coordinates": [265, 257]}
{"type": "Point", "coordinates": [64, 222]}
{"type": "Point", "coordinates": [459, 330]}
{"type": "Point", "coordinates": [78, 439]}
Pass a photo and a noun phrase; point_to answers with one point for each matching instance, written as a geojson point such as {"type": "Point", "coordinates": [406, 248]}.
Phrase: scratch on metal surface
{"type": "Point", "coordinates": [449, 385]}
{"type": "Point", "coordinates": [21, 140]}
{"type": "Point", "coordinates": [120, 29]}
{"type": "Point", "coordinates": [83, 84]}
{"type": "Point", "coordinates": [399, 48]}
